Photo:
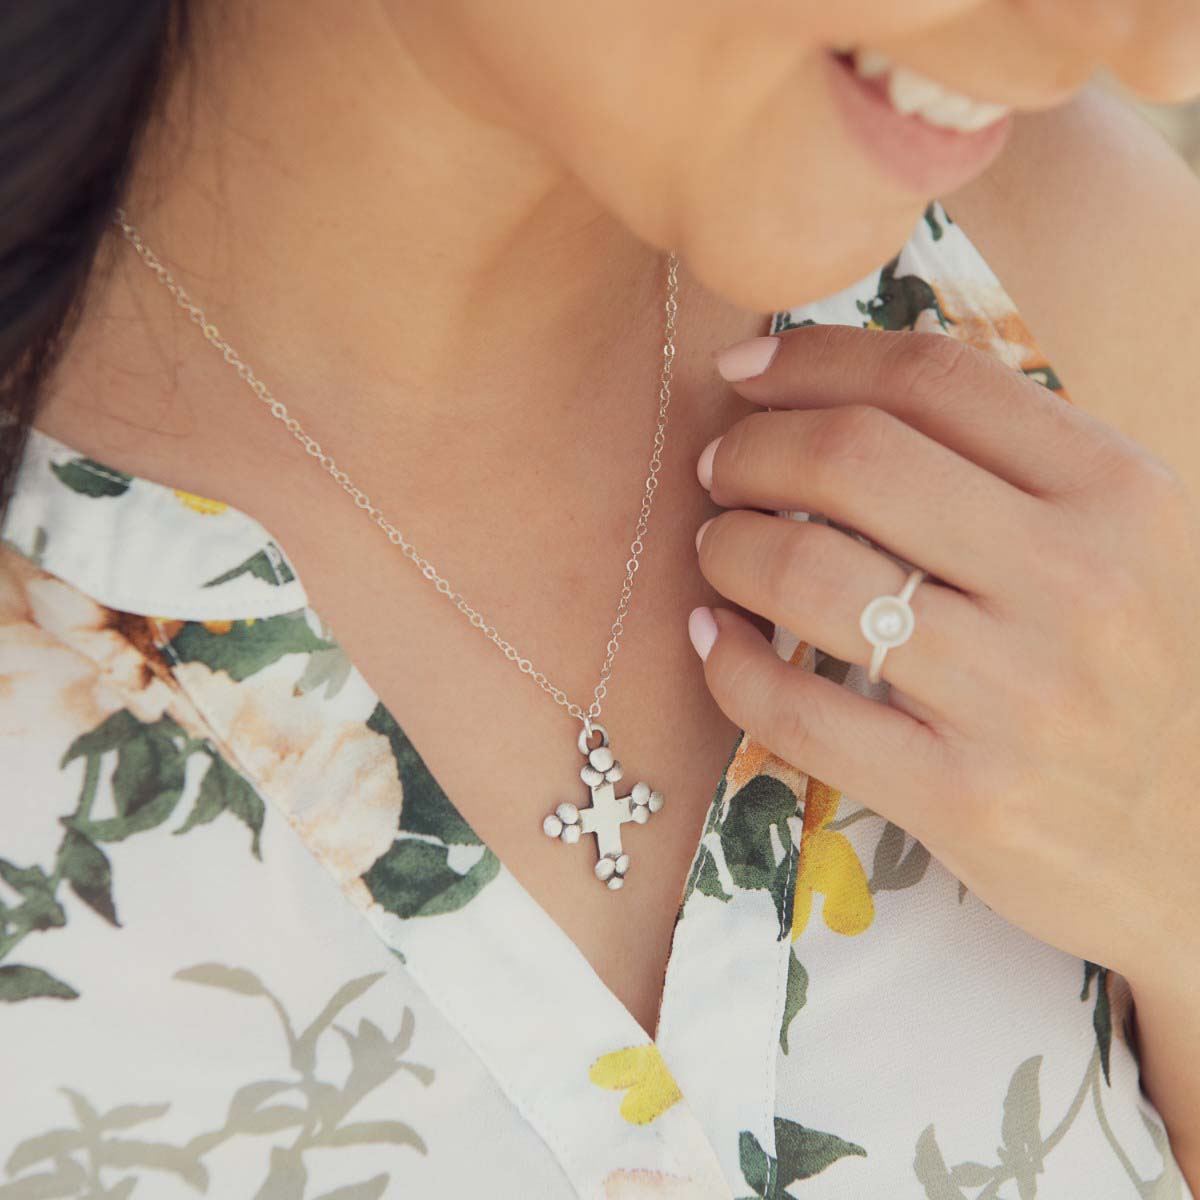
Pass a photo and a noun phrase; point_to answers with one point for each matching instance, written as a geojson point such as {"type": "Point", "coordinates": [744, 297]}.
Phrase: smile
{"type": "Point", "coordinates": [921, 133]}
{"type": "Point", "coordinates": [912, 94]}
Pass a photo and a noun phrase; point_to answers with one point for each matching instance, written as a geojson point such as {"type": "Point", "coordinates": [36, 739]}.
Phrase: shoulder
{"type": "Point", "coordinates": [1092, 223]}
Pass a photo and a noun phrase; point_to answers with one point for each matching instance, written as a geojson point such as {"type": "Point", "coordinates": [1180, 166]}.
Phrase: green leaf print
{"type": "Point", "coordinates": [87, 869]}
{"type": "Point", "coordinates": [148, 779]}
{"type": "Point", "coordinates": [1045, 375]}
{"type": "Point", "coordinates": [797, 996]}
{"type": "Point", "coordinates": [21, 982]}
{"type": "Point", "coordinates": [90, 478]}
{"type": "Point", "coordinates": [371, 1189]}
{"type": "Point", "coordinates": [757, 1165]}
{"type": "Point", "coordinates": [704, 875]}
{"type": "Point", "coordinates": [1102, 1013]}
{"type": "Point", "coordinates": [239, 980]}
{"type": "Point", "coordinates": [708, 878]}
{"type": "Point", "coordinates": [414, 876]}
{"type": "Point", "coordinates": [223, 790]}
{"type": "Point", "coordinates": [149, 764]}
{"type": "Point", "coordinates": [893, 870]}
{"type": "Point", "coordinates": [328, 669]}
{"type": "Point", "coordinates": [804, 1152]}
{"type": "Point", "coordinates": [935, 226]}
{"type": "Point", "coordinates": [800, 1153]}
{"type": "Point", "coordinates": [427, 809]}
{"type": "Point", "coordinates": [248, 646]}
{"type": "Point", "coordinates": [900, 300]}
{"type": "Point", "coordinates": [932, 1172]}
{"type": "Point", "coordinates": [414, 879]}
{"type": "Point", "coordinates": [38, 909]}
{"type": "Point", "coordinates": [86, 1157]}
{"type": "Point", "coordinates": [268, 564]}
{"type": "Point", "coordinates": [1022, 1152]}
{"type": "Point", "coordinates": [146, 784]}
{"type": "Point", "coordinates": [374, 1133]}
{"type": "Point", "coordinates": [783, 322]}
{"type": "Point", "coordinates": [108, 735]}
{"type": "Point", "coordinates": [749, 847]}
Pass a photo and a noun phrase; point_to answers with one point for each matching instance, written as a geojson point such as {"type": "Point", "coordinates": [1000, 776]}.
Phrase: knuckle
{"type": "Point", "coordinates": [1101, 599]}
{"type": "Point", "coordinates": [797, 556]}
{"type": "Point", "coordinates": [737, 452]}
{"type": "Point", "coordinates": [849, 438]}
{"type": "Point", "coordinates": [929, 367]}
{"type": "Point", "coordinates": [1153, 493]}
{"type": "Point", "coordinates": [1051, 711]}
{"type": "Point", "coordinates": [712, 551]}
{"type": "Point", "coordinates": [789, 729]}
{"type": "Point", "coordinates": [1065, 566]}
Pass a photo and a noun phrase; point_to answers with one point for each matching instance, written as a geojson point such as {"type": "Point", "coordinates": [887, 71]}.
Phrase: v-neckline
{"type": "Point", "coordinates": [499, 966]}
{"type": "Point", "coordinates": [557, 1039]}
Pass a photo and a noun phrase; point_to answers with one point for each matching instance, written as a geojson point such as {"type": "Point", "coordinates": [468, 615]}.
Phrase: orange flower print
{"type": "Point", "coordinates": [219, 627]}
{"type": "Point", "coordinates": [983, 317]}
{"type": "Point", "coordinates": [829, 866]}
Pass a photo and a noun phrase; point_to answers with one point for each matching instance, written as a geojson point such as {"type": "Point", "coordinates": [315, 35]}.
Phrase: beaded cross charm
{"type": "Point", "coordinates": [608, 811]}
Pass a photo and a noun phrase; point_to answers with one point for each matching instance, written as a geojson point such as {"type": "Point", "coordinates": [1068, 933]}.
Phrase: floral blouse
{"type": "Point", "coordinates": [249, 948]}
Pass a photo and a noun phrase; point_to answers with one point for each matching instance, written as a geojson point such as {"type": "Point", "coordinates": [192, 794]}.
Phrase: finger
{"type": "Point", "coordinates": [985, 409]}
{"type": "Point", "coordinates": [867, 469]}
{"type": "Point", "coordinates": [885, 758]}
{"type": "Point", "coordinates": [815, 581]}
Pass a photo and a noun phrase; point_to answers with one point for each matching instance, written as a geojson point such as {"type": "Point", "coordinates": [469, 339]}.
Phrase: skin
{"type": "Point", "coordinates": [485, 194]}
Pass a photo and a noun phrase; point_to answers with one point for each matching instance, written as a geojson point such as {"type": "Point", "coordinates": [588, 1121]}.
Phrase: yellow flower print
{"type": "Point", "coordinates": [829, 865]}
{"type": "Point", "coordinates": [642, 1070]}
{"type": "Point", "coordinates": [200, 504]}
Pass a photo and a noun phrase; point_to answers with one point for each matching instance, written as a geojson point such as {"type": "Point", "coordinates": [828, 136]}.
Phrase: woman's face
{"type": "Point", "coordinates": [734, 133]}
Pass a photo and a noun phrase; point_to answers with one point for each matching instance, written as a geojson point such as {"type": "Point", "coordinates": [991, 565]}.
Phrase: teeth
{"type": "Point", "coordinates": [870, 63]}
{"type": "Point", "coordinates": [912, 93]}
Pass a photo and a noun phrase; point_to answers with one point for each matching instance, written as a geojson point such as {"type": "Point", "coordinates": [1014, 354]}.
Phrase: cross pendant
{"type": "Point", "coordinates": [607, 812]}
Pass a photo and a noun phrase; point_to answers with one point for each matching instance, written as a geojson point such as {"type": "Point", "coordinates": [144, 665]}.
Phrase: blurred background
{"type": "Point", "coordinates": [1181, 125]}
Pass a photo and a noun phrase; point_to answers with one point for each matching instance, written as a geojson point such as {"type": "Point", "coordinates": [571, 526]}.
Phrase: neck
{"type": "Point", "coordinates": [403, 269]}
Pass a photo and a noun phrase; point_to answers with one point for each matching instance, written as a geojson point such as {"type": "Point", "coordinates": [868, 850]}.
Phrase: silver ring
{"type": "Point", "coordinates": [888, 621]}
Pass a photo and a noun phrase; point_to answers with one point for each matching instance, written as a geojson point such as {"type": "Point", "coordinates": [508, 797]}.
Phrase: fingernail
{"type": "Point", "coordinates": [702, 629]}
{"type": "Point", "coordinates": [700, 532]}
{"type": "Point", "coordinates": [745, 360]}
{"type": "Point", "coordinates": [704, 464]}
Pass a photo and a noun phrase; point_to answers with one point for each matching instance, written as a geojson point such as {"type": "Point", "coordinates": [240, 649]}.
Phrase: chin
{"type": "Point", "coordinates": [770, 273]}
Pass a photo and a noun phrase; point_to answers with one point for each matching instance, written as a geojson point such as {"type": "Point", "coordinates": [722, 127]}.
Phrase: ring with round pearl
{"type": "Point", "coordinates": [888, 621]}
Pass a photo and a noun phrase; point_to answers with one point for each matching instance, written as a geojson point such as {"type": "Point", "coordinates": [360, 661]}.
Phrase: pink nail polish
{"type": "Point", "coordinates": [702, 629]}
{"type": "Point", "coordinates": [700, 532]}
{"type": "Point", "coordinates": [745, 360]}
{"type": "Point", "coordinates": [704, 464]}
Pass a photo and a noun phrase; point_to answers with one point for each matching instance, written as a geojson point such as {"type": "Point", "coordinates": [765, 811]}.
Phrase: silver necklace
{"type": "Point", "coordinates": [601, 771]}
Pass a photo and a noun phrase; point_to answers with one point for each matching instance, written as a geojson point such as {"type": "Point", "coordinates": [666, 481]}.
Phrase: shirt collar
{"type": "Point", "coordinates": [142, 547]}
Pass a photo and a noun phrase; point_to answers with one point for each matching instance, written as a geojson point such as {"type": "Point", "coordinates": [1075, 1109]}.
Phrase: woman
{"type": "Point", "coordinates": [908, 864]}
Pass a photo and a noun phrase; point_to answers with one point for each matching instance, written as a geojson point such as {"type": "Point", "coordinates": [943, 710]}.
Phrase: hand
{"type": "Point", "coordinates": [1042, 733]}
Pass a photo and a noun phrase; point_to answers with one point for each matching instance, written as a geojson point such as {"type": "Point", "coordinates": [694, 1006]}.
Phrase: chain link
{"type": "Point", "coordinates": [279, 411]}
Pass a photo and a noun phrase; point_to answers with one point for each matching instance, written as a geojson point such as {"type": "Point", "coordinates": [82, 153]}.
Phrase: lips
{"type": "Point", "coordinates": [911, 93]}
{"type": "Point", "coordinates": [919, 133]}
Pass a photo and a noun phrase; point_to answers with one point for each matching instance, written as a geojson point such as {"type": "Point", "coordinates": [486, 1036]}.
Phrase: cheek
{"type": "Point", "coordinates": [825, 23]}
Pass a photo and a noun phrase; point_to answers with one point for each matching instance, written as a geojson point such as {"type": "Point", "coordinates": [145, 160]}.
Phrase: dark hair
{"type": "Point", "coordinates": [79, 80]}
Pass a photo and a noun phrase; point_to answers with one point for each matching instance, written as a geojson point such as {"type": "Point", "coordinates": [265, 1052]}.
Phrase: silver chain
{"type": "Point", "coordinates": [278, 410]}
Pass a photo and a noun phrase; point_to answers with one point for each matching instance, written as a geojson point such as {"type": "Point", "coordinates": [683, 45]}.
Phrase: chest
{"type": "Point", "coordinates": [507, 757]}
